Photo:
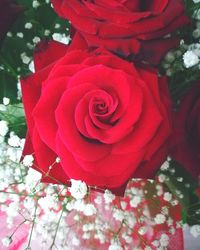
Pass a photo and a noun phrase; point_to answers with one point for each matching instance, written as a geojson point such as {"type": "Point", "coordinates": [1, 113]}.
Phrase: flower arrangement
{"type": "Point", "coordinates": [99, 124]}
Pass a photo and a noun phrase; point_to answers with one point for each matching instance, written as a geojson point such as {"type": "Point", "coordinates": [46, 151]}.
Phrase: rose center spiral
{"type": "Point", "coordinates": [100, 107]}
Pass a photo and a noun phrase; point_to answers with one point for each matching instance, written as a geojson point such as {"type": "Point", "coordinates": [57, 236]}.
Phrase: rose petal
{"type": "Point", "coordinates": [31, 90]}
{"type": "Point", "coordinates": [102, 176]}
{"type": "Point", "coordinates": [67, 126]}
{"type": "Point", "coordinates": [48, 52]}
{"type": "Point", "coordinates": [56, 173]}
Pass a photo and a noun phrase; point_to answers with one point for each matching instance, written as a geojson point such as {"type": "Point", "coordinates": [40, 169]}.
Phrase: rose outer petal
{"type": "Point", "coordinates": [98, 173]}
{"type": "Point", "coordinates": [31, 91]}
{"type": "Point", "coordinates": [45, 121]}
{"type": "Point", "coordinates": [146, 128]}
{"type": "Point", "coordinates": [56, 173]}
{"type": "Point", "coordinates": [48, 52]}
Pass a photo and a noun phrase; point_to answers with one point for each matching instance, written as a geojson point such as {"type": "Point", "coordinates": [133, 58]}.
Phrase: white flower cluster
{"type": "Point", "coordinates": [192, 56]}
{"type": "Point", "coordinates": [62, 38]}
{"type": "Point", "coordinates": [74, 217]}
{"type": "Point", "coordinates": [195, 230]}
{"type": "Point", "coordinates": [190, 59]}
{"type": "Point", "coordinates": [78, 189]}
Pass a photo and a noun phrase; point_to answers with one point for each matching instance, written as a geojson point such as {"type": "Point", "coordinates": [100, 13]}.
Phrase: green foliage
{"type": "Point", "coordinates": [184, 187]}
{"type": "Point", "coordinates": [14, 115]}
{"type": "Point", "coordinates": [20, 40]}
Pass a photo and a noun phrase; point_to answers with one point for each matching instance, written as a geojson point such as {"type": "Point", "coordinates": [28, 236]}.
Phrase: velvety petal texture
{"type": "Point", "coordinates": [102, 116]}
{"type": "Point", "coordinates": [126, 27]}
{"type": "Point", "coordinates": [186, 133]}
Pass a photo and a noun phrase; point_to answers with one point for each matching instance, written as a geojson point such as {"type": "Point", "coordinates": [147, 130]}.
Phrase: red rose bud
{"type": "Point", "coordinates": [8, 13]}
{"type": "Point", "coordinates": [186, 132]}
{"type": "Point", "coordinates": [133, 29]}
{"type": "Point", "coordinates": [106, 119]}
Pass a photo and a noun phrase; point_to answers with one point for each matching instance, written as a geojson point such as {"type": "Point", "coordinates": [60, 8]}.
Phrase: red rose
{"type": "Point", "coordinates": [8, 13]}
{"type": "Point", "coordinates": [105, 118]}
{"type": "Point", "coordinates": [186, 134]}
{"type": "Point", "coordinates": [128, 28]}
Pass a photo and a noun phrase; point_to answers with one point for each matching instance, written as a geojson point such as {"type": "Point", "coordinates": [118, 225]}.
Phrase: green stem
{"type": "Point", "coordinates": [33, 224]}
{"type": "Point", "coordinates": [18, 227]}
{"type": "Point", "coordinates": [57, 227]}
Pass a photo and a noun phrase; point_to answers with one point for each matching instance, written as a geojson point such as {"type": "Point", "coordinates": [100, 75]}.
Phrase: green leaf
{"type": "Point", "coordinates": [14, 115]}
{"type": "Point", "coordinates": [183, 187]}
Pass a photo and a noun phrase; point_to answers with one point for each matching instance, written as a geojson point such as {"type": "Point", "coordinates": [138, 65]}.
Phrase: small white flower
{"type": "Point", "coordinates": [164, 240]}
{"type": "Point", "coordinates": [190, 59]}
{"type": "Point", "coordinates": [108, 196]}
{"type": "Point", "coordinates": [142, 230]}
{"type": "Point", "coordinates": [3, 197]}
{"type": "Point", "coordinates": [29, 203]}
{"type": "Point", "coordinates": [174, 203]}
{"type": "Point", "coordinates": [36, 39]}
{"type": "Point", "coordinates": [6, 101]}
{"type": "Point", "coordinates": [7, 241]}
{"type": "Point", "coordinates": [9, 34]}
{"type": "Point", "coordinates": [172, 230]}
{"type": "Point", "coordinates": [20, 34]}
{"type": "Point", "coordinates": [70, 206]}
{"type": "Point", "coordinates": [115, 247]}
{"type": "Point", "coordinates": [155, 243]}
{"type": "Point", "coordinates": [135, 201]}
{"type": "Point", "coordinates": [61, 38]}
{"type": "Point", "coordinates": [165, 166]}
{"type": "Point", "coordinates": [25, 58]}
{"type": "Point", "coordinates": [47, 32]}
{"type": "Point", "coordinates": [160, 219]}
{"type": "Point", "coordinates": [195, 230]}
{"type": "Point", "coordinates": [167, 196]}
{"type": "Point", "coordinates": [161, 178]}
{"type": "Point", "coordinates": [57, 26]}
{"type": "Point", "coordinates": [196, 1]}
{"type": "Point", "coordinates": [169, 221]}
{"type": "Point", "coordinates": [28, 160]}
{"type": "Point", "coordinates": [86, 236]}
{"type": "Point", "coordinates": [98, 200]}
{"type": "Point", "coordinates": [14, 140]}
{"type": "Point", "coordinates": [31, 66]}
{"type": "Point", "coordinates": [3, 128]}
{"type": "Point", "coordinates": [33, 175]}
{"type": "Point", "coordinates": [89, 210]}
{"type": "Point", "coordinates": [118, 214]}
{"type": "Point", "coordinates": [78, 189]}
{"type": "Point", "coordinates": [57, 159]}
{"type": "Point", "coordinates": [28, 26]}
{"type": "Point", "coordinates": [79, 205]}
{"type": "Point", "coordinates": [35, 4]}
{"type": "Point", "coordinates": [180, 179]}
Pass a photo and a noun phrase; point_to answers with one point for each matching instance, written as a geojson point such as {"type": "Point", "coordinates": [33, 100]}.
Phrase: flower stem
{"type": "Point", "coordinates": [33, 224]}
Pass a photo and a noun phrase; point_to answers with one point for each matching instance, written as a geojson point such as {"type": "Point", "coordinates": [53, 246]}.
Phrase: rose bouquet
{"type": "Point", "coordinates": [112, 102]}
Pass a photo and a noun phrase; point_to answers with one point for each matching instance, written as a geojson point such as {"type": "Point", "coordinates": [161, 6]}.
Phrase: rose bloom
{"type": "Point", "coordinates": [106, 119]}
{"type": "Point", "coordinates": [186, 132]}
{"type": "Point", "coordinates": [8, 13]}
{"type": "Point", "coordinates": [131, 28]}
